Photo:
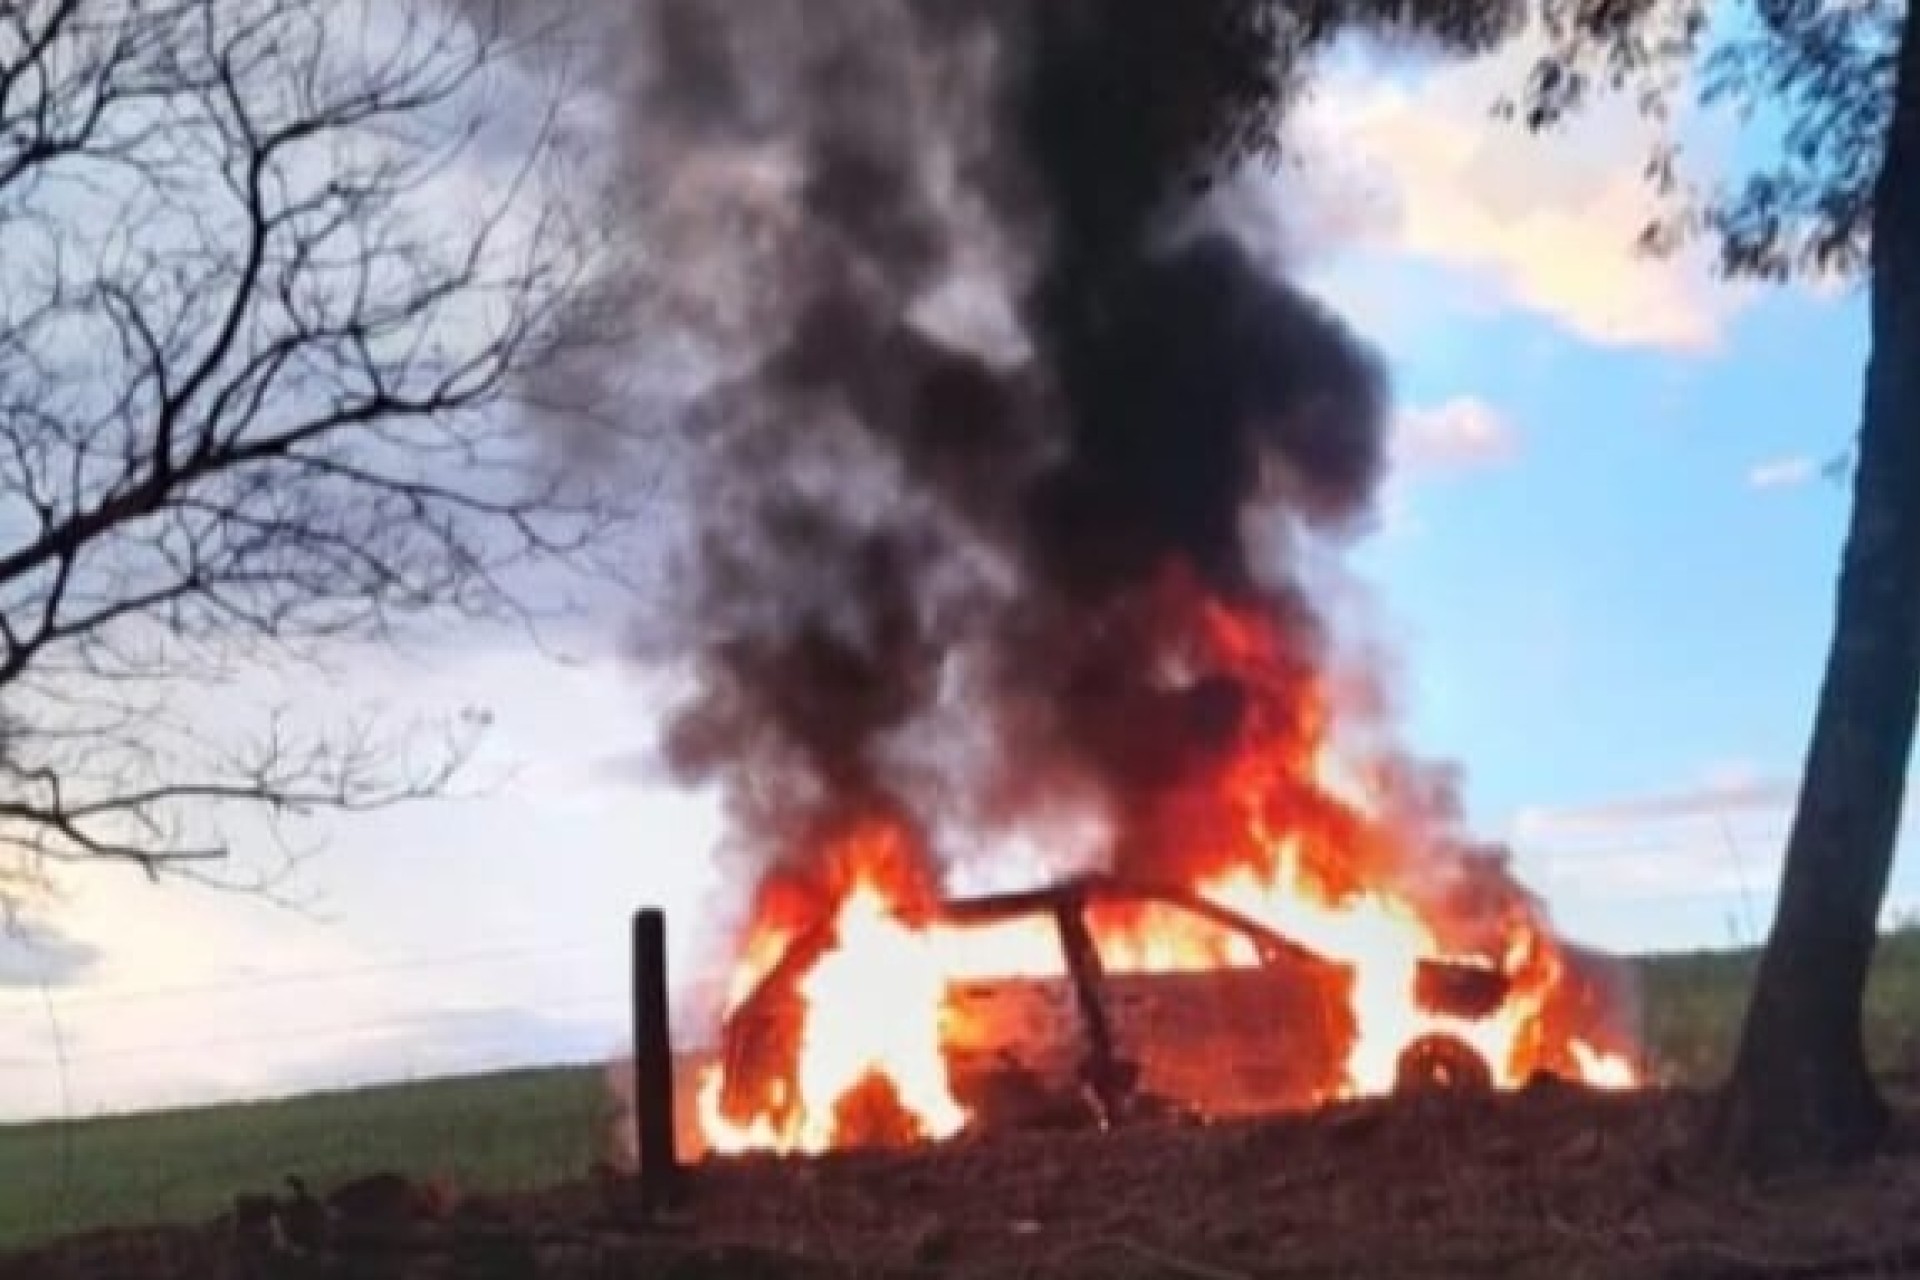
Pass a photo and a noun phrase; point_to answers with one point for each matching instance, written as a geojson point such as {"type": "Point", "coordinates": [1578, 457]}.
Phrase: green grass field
{"type": "Point", "coordinates": [535, 1128]}
{"type": "Point", "coordinates": [1691, 1007]}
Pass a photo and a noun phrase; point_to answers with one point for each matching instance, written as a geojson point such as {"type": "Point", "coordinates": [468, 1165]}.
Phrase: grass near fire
{"type": "Point", "coordinates": [502, 1132]}
{"type": "Point", "coordinates": [1691, 1007]}
{"type": "Point", "coordinates": [535, 1128]}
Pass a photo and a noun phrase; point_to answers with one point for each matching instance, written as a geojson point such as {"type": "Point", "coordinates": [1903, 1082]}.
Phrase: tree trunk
{"type": "Point", "coordinates": [1800, 1095]}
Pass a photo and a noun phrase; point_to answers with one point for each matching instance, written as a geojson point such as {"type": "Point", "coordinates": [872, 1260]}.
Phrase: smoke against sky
{"type": "Point", "coordinates": [961, 365]}
{"type": "Point", "coordinates": [971, 400]}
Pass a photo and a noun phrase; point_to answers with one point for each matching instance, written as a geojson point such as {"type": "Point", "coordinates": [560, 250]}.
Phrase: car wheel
{"type": "Point", "coordinates": [1442, 1064]}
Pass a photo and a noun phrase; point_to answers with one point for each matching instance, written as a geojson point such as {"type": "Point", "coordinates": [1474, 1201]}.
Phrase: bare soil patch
{"type": "Point", "coordinates": [1552, 1182]}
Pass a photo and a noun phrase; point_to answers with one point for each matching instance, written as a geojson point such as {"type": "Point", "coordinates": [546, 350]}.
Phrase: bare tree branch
{"type": "Point", "coordinates": [259, 323]}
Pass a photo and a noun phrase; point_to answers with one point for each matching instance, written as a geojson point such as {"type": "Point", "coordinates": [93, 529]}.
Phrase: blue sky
{"type": "Point", "coordinates": [1634, 600]}
{"type": "Point", "coordinates": [1605, 564]}
{"type": "Point", "coordinates": [1669, 605]}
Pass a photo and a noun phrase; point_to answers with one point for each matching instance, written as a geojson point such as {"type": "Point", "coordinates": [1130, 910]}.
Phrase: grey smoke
{"type": "Point", "coordinates": [947, 365]}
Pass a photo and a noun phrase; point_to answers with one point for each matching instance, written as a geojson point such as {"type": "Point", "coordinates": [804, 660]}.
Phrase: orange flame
{"type": "Point", "coordinates": [1604, 1070]}
{"type": "Point", "coordinates": [1274, 830]}
{"type": "Point", "coordinates": [872, 1011]}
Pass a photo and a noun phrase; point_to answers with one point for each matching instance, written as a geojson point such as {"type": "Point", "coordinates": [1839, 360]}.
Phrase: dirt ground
{"type": "Point", "coordinates": [1552, 1182]}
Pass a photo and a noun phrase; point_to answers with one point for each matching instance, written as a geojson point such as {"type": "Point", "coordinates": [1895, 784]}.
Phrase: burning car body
{"type": "Point", "coordinates": [1279, 924]}
{"type": "Point", "coordinates": [1098, 1028]}
{"type": "Point", "coordinates": [1100, 999]}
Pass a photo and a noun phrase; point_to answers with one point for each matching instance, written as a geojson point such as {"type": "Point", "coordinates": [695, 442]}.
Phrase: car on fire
{"type": "Point", "coordinates": [1107, 1031]}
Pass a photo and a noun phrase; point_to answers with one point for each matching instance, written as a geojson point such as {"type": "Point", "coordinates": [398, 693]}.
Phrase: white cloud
{"type": "Point", "coordinates": [1667, 869]}
{"type": "Point", "coordinates": [451, 936]}
{"type": "Point", "coordinates": [1461, 434]}
{"type": "Point", "coordinates": [1720, 838]}
{"type": "Point", "coordinates": [1543, 224]}
{"type": "Point", "coordinates": [1685, 869]}
{"type": "Point", "coordinates": [38, 952]}
{"type": "Point", "coordinates": [1663, 870]}
{"type": "Point", "coordinates": [1721, 793]}
{"type": "Point", "coordinates": [1453, 438]}
{"type": "Point", "coordinates": [1783, 473]}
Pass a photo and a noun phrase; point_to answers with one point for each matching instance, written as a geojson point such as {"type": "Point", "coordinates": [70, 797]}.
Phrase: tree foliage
{"type": "Point", "coordinates": [1811, 83]}
{"type": "Point", "coordinates": [258, 325]}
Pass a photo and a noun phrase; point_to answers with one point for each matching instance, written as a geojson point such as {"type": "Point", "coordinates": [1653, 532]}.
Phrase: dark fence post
{"type": "Point", "coordinates": [653, 1057]}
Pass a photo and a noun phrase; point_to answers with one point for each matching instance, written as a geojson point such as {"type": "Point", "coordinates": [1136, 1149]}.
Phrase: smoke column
{"type": "Point", "coordinates": [964, 393]}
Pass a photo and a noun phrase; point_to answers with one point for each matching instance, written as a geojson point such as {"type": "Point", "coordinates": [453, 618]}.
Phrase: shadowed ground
{"type": "Point", "coordinates": [1551, 1182]}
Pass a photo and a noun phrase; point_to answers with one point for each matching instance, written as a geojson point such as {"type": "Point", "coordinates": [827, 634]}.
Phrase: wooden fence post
{"type": "Point", "coordinates": [660, 1172]}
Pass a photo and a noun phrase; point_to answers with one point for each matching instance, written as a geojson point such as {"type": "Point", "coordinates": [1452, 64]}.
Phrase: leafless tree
{"type": "Point", "coordinates": [259, 324]}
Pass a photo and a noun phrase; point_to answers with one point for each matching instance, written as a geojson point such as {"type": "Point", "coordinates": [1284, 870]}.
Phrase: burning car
{"type": "Point", "coordinates": [1089, 1002]}
{"type": "Point", "coordinates": [1277, 922]}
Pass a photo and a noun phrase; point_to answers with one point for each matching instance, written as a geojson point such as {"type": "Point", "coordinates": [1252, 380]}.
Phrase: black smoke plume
{"type": "Point", "coordinates": [954, 367]}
